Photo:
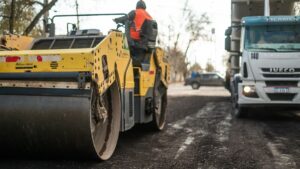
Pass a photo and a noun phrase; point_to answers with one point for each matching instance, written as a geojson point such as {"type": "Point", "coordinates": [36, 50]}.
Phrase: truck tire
{"type": "Point", "coordinates": [195, 85]}
{"type": "Point", "coordinates": [237, 110]}
{"type": "Point", "coordinates": [240, 112]}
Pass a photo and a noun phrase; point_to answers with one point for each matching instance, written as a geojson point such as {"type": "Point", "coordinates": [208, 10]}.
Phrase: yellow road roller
{"type": "Point", "coordinates": [72, 95]}
{"type": "Point", "coordinates": [14, 42]}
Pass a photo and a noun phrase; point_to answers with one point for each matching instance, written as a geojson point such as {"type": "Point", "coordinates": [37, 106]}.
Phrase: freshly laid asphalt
{"type": "Point", "coordinates": [200, 133]}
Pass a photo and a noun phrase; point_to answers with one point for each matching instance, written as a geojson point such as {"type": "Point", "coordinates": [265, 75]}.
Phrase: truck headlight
{"type": "Point", "coordinates": [250, 91]}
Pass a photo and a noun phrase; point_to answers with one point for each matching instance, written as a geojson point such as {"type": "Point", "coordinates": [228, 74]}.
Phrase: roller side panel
{"type": "Point", "coordinates": [128, 106]}
{"type": "Point", "coordinates": [141, 114]}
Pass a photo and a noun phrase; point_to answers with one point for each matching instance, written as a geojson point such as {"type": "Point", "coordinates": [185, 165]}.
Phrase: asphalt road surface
{"type": "Point", "coordinates": [200, 133]}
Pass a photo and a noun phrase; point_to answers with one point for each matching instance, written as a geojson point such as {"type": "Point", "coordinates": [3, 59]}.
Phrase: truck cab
{"type": "Point", "coordinates": [270, 57]}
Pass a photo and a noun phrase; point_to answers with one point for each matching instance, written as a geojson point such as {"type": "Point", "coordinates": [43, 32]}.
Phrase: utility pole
{"type": "Point", "coordinates": [77, 6]}
{"type": "Point", "coordinates": [212, 42]}
{"type": "Point", "coordinates": [267, 7]}
{"type": "Point", "coordinates": [215, 46]}
{"type": "Point", "coordinates": [12, 16]}
{"type": "Point", "coordinates": [46, 17]}
{"type": "Point", "coordinates": [169, 39]}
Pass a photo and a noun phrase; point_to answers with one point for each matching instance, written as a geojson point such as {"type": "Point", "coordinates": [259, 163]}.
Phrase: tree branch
{"type": "Point", "coordinates": [5, 16]}
{"type": "Point", "coordinates": [187, 48]}
{"type": "Point", "coordinates": [12, 16]}
{"type": "Point", "coordinates": [38, 17]}
{"type": "Point", "coordinates": [38, 2]}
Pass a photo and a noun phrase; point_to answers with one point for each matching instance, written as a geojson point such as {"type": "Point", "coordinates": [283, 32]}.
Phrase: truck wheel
{"type": "Point", "coordinates": [237, 110]}
{"type": "Point", "coordinates": [195, 86]}
{"type": "Point", "coordinates": [240, 112]}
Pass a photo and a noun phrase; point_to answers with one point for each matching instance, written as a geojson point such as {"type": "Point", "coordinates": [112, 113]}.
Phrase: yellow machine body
{"type": "Point", "coordinates": [114, 47]}
{"type": "Point", "coordinates": [16, 42]}
{"type": "Point", "coordinates": [47, 92]}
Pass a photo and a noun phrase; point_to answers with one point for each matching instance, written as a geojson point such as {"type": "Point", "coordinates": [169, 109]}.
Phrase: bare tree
{"type": "Point", "coordinates": [185, 14]}
{"type": "Point", "coordinates": [195, 67]}
{"type": "Point", "coordinates": [209, 67]}
{"type": "Point", "coordinates": [190, 28]}
{"type": "Point", "coordinates": [46, 7]}
{"type": "Point", "coordinates": [195, 27]}
{"type": "Point", "coordinates": [22, 17]}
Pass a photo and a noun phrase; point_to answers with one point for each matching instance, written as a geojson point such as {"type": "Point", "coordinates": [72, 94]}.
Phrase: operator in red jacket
{"type": "Point", "coordinates": [137, 39]}
{"type": "Point", "coordinates": [138, 17]}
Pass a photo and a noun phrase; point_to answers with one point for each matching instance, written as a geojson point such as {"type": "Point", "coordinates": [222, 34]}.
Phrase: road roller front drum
{"type": "Point", "coordinates": [105, 121]}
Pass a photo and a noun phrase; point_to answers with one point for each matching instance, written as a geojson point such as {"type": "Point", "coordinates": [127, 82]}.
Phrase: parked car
{"type": "Point", "coordinates": [205, 79]}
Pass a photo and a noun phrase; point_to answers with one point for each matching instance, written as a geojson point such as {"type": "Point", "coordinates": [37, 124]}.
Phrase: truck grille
{"type": "Point", "coordinates": [281, 96]}
{"type": "Point", "coordinates": [282, 83]}
{"type": "Point", "coordinates": [281, 75]}
{"type": "Point", "coordinates": [268, 70]}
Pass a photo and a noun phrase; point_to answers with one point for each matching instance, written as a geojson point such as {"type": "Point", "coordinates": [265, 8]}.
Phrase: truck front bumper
{"type": "Point", "coordinates": [274, 96]}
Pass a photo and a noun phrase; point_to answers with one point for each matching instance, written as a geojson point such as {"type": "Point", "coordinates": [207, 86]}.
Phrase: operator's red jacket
{"type": "Point", "coordinates": [138, 18]}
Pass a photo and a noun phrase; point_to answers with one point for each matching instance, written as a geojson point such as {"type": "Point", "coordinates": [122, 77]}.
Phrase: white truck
{"type": "Point", "coordinates": [264, 45]}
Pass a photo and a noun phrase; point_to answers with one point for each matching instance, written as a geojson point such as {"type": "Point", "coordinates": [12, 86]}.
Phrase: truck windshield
{"type": "Point", "coordinates": [279, 38]}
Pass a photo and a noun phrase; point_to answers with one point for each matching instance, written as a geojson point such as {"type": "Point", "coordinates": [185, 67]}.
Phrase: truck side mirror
{"type": "Point", "coordinates": [228, 43]}
{"type": "Point", "coordinates": [228, 33]}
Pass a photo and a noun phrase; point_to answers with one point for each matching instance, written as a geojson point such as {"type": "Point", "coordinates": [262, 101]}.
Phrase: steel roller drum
{"type": "Point", "coordinates": [57, 125]}
{"type": "Point", "coordinates": [46, 125]}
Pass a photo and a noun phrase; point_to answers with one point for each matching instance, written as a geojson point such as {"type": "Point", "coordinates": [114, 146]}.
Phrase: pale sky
{"type": "Point", "coordinates": [166, 12]}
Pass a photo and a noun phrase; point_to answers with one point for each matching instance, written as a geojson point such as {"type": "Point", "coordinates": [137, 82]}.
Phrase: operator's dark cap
{"type": "Point", "coordinates": [141, 5]}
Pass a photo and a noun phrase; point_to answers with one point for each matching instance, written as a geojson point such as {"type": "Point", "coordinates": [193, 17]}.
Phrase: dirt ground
{"type": "Point", "coordinates": [200, 133]}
